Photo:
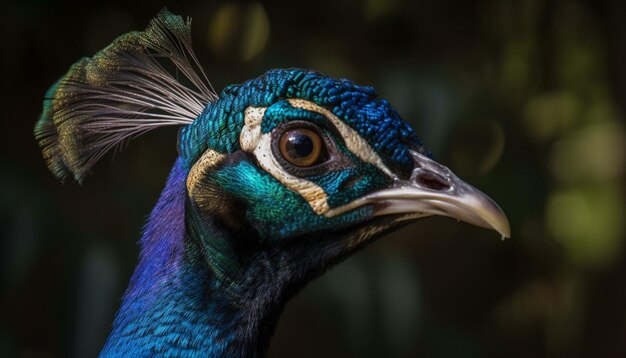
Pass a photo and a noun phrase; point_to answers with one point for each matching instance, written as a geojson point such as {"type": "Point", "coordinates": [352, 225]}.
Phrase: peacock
{"type": "Point", "coordinates": [276, 180]}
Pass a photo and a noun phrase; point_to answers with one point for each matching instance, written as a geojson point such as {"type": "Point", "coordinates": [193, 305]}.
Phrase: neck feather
{"type": "Point", "coordinates": [177, 303]}
{"type": "Point", "coordinates": [201, 288]}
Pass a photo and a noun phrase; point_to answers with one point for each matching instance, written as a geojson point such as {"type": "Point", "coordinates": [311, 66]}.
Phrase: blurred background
{"type": "Point", "coordinates": [524, 99]}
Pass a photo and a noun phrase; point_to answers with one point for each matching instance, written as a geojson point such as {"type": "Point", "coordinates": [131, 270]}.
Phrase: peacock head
{"type": "Point", "coordinates": [292, 161]}
{"type": "Point", "coordinates": [296, 155]}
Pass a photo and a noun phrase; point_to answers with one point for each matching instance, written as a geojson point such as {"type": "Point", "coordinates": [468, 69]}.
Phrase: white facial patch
{"type": "Point", "coordinates": [253, 141]}
{"type": "Point", "coordinates": [251, 131]}
{"type": "Point", "coordinates": [198, 171]}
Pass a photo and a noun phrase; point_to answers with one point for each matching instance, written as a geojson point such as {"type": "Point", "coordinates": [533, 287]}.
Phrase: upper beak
{"type": "Point", "coordinates": [433, 189]}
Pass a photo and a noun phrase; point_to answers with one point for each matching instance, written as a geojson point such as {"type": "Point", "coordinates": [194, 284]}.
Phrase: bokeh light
{"type": "Point", "coordinates": [593, 153]}
{"type": "Point", "coordinates": [238, 31]}
{"type": "Point", "coordinates": [588, 223]}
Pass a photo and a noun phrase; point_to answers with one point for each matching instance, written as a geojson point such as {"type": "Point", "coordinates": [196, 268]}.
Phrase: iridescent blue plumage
{"type": "Point", "coordinates": [185, 300]}
{"type": "Point", "coordinates": [173, 305]}
{"type": "Point", "coordinates": [248, 215]}
{"type": "Point", "coordinates": [358, 106]}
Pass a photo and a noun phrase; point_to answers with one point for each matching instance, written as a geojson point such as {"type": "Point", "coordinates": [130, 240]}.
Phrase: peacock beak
{"type": "Point", "coordinates": [433, 189]}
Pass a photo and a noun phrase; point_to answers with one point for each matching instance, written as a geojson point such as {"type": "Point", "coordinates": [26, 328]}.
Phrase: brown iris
{"type": "Point", "coordinates": [302, 147]}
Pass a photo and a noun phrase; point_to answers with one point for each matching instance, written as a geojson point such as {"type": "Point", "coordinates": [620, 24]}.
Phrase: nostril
{"type": "Point", "coordinates": [432, 181]}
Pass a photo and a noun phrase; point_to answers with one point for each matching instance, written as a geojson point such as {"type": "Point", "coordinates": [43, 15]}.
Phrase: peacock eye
{"type": "Point", "coordinates": [302, 147]}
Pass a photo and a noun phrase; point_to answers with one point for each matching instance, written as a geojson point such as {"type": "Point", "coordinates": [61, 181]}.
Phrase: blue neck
{"type": "Point", "coordinates": [174, 302]}
{"type": "Point", "coordinates": [195, 294]}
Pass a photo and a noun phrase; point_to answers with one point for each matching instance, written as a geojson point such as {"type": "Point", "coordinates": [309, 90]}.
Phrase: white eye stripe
{"type": "Point", "coordinates": [355, 143]}
{"type": "Point", "coordinates": [253, 141]}
{"type": "Point", "coordinates": [311, 192]}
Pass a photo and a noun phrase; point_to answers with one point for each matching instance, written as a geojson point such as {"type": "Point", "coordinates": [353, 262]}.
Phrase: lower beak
{"type": "Point", "coordinates": [433, 189]}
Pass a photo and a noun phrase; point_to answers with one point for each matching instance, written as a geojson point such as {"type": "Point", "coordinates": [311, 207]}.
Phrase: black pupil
{"type": "Point", "coordinates": [301, 145]}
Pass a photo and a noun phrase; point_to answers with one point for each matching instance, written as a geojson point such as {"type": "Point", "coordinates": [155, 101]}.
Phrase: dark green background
{"type": "Point", "coordinates": [524, 99]}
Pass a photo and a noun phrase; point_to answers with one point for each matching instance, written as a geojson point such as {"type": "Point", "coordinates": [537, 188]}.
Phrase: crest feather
{"type": "Point", "coordinates": [120, 93]}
